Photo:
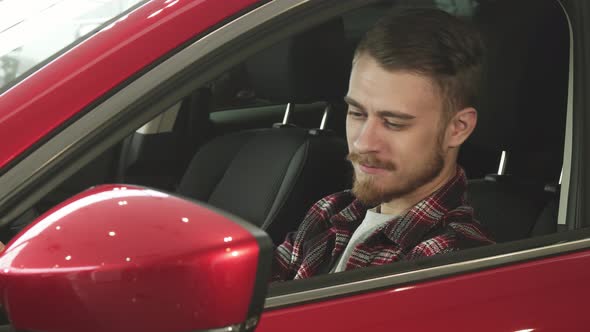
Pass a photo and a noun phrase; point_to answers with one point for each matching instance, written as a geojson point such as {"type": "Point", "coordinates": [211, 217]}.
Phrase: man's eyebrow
{"type": "Point", "coordinates": [354, 103]}
{"type": "Point", "coordinates": [395, 114]}
{"type": "Point", "coordinates": [383, 113]}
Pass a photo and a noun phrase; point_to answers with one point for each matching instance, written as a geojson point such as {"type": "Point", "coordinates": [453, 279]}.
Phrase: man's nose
{"type": "Point", "coordinates": [368, 138]}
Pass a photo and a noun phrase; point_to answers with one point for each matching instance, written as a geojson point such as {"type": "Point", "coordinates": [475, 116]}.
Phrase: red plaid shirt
{"type": "Point", "coordinates": [440, 223]}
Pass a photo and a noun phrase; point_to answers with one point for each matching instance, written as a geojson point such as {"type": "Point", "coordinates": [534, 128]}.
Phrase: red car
{"type": "Point", "coordinates": [153, 153]}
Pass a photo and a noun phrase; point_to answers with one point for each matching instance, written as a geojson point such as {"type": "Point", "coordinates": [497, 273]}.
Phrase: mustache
{"type": "Point", "coordinates": [370, 160]}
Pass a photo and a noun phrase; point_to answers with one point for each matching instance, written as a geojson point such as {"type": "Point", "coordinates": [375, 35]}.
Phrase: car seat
{"type": "Point", "coordinates": [271, 176]}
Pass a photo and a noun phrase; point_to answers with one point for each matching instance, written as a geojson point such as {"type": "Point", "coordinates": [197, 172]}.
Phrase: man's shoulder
{"type": "Point", "coordinates": [458, 230]}
{"type": "Point", "coordinates": [460, 223]}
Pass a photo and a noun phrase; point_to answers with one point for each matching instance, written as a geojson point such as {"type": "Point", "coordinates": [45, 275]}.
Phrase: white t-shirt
{"type": "Point", "coordinates": [372, 221]}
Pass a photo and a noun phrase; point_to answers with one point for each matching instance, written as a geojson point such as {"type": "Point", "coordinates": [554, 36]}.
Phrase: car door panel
{"type": "Point", "coordinates": [511, 298]}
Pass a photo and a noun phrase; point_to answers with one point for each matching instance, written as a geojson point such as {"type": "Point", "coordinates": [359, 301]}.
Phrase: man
{"type": "Point", "coordinates": [410, 107]}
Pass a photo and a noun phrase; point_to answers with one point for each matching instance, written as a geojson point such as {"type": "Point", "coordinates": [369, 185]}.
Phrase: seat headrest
{"type": "Point", "coordinates": [524, 88]}
{"type": "Point", "coordinates": [305, 68]}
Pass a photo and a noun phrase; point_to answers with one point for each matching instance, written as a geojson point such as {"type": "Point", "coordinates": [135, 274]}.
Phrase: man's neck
{"type": "Point", "coordinates": [401, 204]}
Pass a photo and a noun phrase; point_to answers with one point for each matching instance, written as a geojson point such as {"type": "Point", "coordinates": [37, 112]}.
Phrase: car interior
{"type": "Point", "coordinates": [266, 139]}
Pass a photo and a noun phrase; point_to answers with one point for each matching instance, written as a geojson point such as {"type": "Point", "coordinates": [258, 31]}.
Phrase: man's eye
{"type": "Point", "coordinates": [394, 125]}
{"type": "Point", "coordinates": [356, 114]}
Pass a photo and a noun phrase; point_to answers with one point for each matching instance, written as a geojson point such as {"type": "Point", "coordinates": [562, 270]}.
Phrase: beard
{"type": "Point", "coordinates": [372, 191]}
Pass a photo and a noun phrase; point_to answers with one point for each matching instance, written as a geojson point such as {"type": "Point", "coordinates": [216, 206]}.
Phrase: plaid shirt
{"type": "Point", "coordinates": [440, 223]}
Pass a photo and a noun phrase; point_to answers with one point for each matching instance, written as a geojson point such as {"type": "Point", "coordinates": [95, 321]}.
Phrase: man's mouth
{"type": "Point", "coordinates": [371, 169]}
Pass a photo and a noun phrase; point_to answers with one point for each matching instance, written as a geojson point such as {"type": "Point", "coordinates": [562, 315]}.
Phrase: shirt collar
{"type": "Point", "coordinates": [410, 227]}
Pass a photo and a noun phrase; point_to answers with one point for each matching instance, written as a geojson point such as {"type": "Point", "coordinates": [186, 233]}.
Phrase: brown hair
{"type": "Point", "coordinates": [433, 43]}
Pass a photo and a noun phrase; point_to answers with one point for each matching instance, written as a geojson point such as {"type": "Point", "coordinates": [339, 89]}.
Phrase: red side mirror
{"type": "Point", "coordinates": [126, 258]}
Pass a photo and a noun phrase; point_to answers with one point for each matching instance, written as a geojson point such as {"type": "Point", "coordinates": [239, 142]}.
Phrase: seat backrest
{"type": "Point", "coordinates": [268, 177]}
{"type": "Point", "coordinates": [522, 111]}
{"type": "Point", "coordinates": [271, 177]}
{"type": "Point", "coordinates": [511, 210]}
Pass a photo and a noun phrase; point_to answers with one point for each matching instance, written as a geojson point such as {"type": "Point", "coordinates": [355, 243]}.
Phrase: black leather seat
{"type": "Point", "coordinates": [271, 177]}
{"type": "Point", "coordinates": [511, 209]}
{"type": "Point", "coordinates": [522, 111]}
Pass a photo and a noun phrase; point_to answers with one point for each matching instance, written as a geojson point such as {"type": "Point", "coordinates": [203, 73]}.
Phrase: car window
{"type": "Point", "coordinates": [514, 174]}
{"type": "Point", "coordinates": [33, 31]}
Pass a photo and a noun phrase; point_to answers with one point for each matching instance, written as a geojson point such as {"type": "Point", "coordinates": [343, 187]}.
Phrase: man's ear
{"type": "Point", "coordinates": [460, 126]}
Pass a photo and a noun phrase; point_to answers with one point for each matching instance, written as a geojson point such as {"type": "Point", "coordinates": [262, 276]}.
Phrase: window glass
{"type": "Point", "coordinates": [33, 31]}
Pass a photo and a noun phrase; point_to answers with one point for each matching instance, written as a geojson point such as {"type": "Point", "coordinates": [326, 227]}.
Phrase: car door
{"type": "Point", "coordinates": [521, 286]}
{"type": "Point", "coordinates": [484, 288]}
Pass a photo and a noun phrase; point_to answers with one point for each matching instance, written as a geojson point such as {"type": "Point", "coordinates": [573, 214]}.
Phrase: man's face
{"type": "Point", "coordinates": [395, 131]}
